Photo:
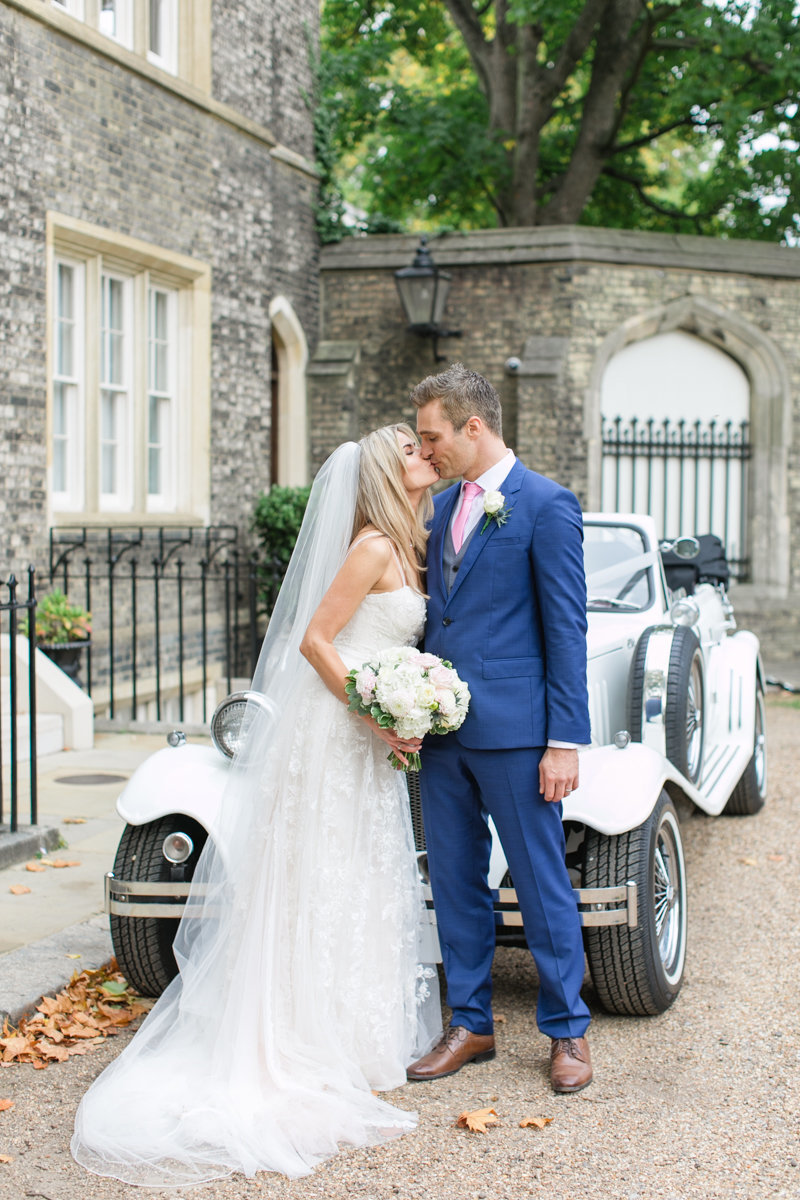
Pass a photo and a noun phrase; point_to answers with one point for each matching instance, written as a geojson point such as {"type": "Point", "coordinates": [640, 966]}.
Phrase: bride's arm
{"type": "Point", "coordinates": [363, 570]}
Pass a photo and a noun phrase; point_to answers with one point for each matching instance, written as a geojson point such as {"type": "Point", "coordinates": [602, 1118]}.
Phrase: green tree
{"type": "Point", "coordinates": [676, 115]}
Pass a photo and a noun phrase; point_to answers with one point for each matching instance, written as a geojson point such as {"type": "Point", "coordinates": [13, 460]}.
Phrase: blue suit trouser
{"type": "Point", "coordinates": [459, 788]}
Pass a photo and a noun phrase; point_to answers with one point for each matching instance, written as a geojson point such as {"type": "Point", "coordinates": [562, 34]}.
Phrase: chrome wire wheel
{"type": "Point", "coordinates": [760, 747]}
{"type": "Point", "coordinates": [669, 897]}
{"type": "Point", "coordinates": [694, 718]}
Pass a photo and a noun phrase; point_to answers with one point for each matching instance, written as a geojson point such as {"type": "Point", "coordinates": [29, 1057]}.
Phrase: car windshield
{"type": "Point", "coordinates": [617, 578]}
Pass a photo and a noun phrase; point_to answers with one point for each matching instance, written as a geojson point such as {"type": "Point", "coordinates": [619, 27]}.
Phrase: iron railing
{"type": "Point", "coordinates": [173, 609]}
{"type": "Point", "coordinates": [691, 476]}
{"type": "Point", "coordinates": [11, 696]}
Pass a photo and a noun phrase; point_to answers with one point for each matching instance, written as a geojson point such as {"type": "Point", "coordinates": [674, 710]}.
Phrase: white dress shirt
{"type": "Point", "coordinates": [492, 481]}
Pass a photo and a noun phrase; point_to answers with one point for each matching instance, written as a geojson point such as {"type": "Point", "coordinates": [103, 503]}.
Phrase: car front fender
{"type": "Point", "coordinates": [619, 788]}
{"type": "Point", "coordinates": [184, 779]}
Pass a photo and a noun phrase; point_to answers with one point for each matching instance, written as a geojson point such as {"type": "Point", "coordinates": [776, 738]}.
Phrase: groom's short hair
{"type": "Point", "coordinates": [462, 394]}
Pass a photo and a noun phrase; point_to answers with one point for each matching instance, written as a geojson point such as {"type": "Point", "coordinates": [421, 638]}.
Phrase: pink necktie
{"type": "Point", "coordinates": [471, 490]}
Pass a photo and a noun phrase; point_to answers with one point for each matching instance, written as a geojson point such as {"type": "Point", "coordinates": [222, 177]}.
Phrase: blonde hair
{"type": "Point", "coordinates": [383, 501]}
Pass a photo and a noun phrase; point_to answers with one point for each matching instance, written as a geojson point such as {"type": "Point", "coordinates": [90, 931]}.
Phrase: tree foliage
{"type": "Point", "coordinates": [679, 115]}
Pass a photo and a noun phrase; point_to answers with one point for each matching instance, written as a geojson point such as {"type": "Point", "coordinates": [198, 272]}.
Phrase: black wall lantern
{"type": "Point", "coordinates": [423, 291]}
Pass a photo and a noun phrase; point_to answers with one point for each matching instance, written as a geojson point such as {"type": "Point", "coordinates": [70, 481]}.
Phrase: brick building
{"type": "Point", "coordinates": [710, 333]}
{"type": "Point", "coordinates": [158, 261]}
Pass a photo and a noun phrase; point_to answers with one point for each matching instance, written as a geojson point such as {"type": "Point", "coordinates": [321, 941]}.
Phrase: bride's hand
{"type": "Point", "coordinates": [401, 746]}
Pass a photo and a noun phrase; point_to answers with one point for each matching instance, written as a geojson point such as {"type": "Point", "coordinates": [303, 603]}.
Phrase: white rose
{"type": "Point", "coordinates": [493, 502]}
{"type": "Point", "coordinates": [399, 703]}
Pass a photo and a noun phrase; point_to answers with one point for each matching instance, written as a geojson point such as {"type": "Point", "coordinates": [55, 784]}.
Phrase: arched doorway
{"type": "Point", "coordinates": [755, 358]}
{"type": "Point", "coordinates": [289, 455]}
{"type": "Point", "coordinates": [676, 444]}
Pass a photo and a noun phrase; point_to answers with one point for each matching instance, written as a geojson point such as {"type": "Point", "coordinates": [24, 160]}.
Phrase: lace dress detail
{"type": "Point", "coordinates": [322, 995]}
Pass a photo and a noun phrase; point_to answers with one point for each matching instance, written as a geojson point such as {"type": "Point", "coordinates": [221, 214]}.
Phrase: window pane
{"type": "Point", "coordinates": [61, 398]}
{"type": "Point", "coordinates": [157, 27]}
{"type": "Point", "coordinates": [110, 405]}
{"type": "Point", "coordinates": [66, 292]}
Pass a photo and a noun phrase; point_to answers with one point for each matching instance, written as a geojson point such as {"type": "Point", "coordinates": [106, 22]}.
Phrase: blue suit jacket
{"type": "Point", "coordinates": [514, 623]}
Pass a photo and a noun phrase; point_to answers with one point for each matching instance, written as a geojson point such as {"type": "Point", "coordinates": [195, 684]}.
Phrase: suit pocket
{"type": "Point", "coordinates": [509, 668]}
{"type": "Point", "coordinates": [498, 541]}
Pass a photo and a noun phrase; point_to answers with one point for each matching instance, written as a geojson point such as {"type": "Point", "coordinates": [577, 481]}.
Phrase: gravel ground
{"type": "Point", "coordinates": [701, 1102]}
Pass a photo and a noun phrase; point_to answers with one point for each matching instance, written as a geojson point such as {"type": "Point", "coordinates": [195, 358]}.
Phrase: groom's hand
{"type": "Point", "coordinates": [558, 773]}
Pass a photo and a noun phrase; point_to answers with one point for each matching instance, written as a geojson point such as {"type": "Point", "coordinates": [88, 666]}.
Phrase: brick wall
{"type": "Point", "coordinates": [84, 135]}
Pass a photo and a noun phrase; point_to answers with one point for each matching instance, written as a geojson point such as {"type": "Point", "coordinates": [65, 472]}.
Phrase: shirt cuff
{"type": "Point", "coordinates": [566, 745]}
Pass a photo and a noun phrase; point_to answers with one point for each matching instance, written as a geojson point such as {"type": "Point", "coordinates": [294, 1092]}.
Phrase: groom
{"type": "Point", "coordinates": [508, 608]}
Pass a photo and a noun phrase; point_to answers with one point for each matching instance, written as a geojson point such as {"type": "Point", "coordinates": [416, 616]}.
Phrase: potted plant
{"type": "Point", "coordinates": [62, 631]}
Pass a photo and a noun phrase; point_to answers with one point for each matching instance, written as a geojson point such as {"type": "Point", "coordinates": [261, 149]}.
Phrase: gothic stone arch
{"type": "Point", "coordinates": [770, 419]}
{"type": "Point", "coordinates": [291, 350]}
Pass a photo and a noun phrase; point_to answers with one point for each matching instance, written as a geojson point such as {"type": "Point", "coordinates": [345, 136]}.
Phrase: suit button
{"type": "Point", "coordinates": [447, 621]}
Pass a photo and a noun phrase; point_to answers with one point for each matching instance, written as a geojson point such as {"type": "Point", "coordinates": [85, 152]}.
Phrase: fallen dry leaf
{"type": "Point", "coordinates": [499, 1018]}
{"type": "Point", "coordinates": [478, 1120]}
{"type": "Point", "coordinates": [19, 889]}
{"type": "Point", "coordinates": [534, 1122]}
{"type": "Point", "coordinates": [6, 1158]}
{"type": "Point", "coordinates": [34, 866]}
{"type": "Point", "coordinates": [749, 862]}
{"type": "Point", "coordinates": [5, 1105]}
{"type": "Point", "coordinates": [62, 862]}
{"type": "Point", "coordinates": [776, 857]}
{"type": "Point", "coordinates": [74, 821]}
{"type": "Point", "coordinates": [94, 1005]}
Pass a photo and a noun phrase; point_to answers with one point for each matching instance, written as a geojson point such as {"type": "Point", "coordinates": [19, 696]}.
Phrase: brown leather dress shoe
{"type": "Point", "coordinates": [457, 1046]}
{"type": "Point", "coordinates": [570, 1064]}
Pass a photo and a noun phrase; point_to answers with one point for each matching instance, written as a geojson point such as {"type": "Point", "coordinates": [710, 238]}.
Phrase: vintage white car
{"type": "Point", "coordinates": [677, 705]}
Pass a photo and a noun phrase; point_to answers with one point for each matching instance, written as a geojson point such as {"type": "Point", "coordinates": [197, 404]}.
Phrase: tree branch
{"type": "Point", "coordinates": [661, 209]}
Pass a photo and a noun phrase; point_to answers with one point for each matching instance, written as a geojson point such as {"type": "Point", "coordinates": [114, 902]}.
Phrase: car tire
{"type": "Point", "coordinates": [638, 971]}
{"type": "Point", "coordinates": [750, 792]}
{"type": "Point", "coordinates": [683, 704]}
{"type": "Point", "coordinates": [143, 945]}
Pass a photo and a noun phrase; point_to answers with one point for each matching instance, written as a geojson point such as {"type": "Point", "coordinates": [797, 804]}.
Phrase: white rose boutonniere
{"type": "Point", "coordinates": [496, 509]}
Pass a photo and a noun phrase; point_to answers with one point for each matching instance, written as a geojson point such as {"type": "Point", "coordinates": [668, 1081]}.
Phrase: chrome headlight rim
{"type": "Point", "coordinates": [224, 736]}
{"type": "Point", "coordinates": [685, 611]}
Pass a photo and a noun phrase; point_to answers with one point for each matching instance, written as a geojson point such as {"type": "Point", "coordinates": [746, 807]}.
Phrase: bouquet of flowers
{"type": "Point", "coordinates": [411, 692]}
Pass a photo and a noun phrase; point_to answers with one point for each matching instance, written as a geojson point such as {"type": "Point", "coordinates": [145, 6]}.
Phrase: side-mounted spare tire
{"type": "Point", "coordinates": [143, 945]}
{"type": "Point", "coordinates": [682, 702]}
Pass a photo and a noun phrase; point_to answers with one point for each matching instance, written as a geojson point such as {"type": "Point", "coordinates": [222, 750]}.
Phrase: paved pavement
{"type": "Point", "coordinates": [59, 925]}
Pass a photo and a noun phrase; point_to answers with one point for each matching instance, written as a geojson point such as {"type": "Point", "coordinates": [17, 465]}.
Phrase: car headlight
{"type": "Point", "coordinates": [234, 719]}
{"type": "Point", "coordinates": [685, 612]}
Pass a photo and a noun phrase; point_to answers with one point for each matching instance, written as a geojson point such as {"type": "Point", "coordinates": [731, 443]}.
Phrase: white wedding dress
{"type": "Point", "coordinates": [264, 1056]}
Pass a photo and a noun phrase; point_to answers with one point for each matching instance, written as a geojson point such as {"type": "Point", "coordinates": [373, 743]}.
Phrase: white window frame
{"type": "Point", "coordinates": [143, 269]}
{"type": "Point", "coordinates": [121, 498]}
{"type": "Point", "coordinates": [168, 58]}
{"type": "Point", "coordinates": [73, 7]}
{"type": "Point", "coordinates": [165, 499]}
{"type": "Point", "coordinates": [71, 497]}
{"type": "Point", "coordinates": [123, 11]}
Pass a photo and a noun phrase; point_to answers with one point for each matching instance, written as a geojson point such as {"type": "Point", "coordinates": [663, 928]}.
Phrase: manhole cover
{"type": "Point", "coordinates": [84, 780]}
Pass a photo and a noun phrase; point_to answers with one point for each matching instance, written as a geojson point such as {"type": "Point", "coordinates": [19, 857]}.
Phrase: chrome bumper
{"type": "Point", "coordinates": [124, 898]}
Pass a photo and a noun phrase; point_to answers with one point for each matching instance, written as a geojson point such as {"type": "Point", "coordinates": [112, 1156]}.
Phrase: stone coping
{"type": "Point", "coordinates": [567, 244]}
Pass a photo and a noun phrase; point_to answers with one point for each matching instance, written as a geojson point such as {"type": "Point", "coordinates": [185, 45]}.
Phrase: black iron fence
{"type": "Point", "coordinates": [691, 476]}
{"type": "Point", "coordinates": [175, 614]}
{"type": "Point", "coordinates": [17, 702]}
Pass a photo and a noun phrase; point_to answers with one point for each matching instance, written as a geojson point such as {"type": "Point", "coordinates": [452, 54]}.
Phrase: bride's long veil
{"type": "Point", "coordinates": [227, 1072]}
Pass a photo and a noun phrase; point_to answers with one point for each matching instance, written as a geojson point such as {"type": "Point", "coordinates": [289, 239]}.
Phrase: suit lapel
{"type": "Point", "coordinates": [511, 485]}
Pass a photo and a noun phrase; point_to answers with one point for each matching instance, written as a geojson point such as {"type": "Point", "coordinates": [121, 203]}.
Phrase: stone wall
{"type": "Point", "coordinates": [88, 135]}
{"type": "Point", "coordinates": [560, 302]}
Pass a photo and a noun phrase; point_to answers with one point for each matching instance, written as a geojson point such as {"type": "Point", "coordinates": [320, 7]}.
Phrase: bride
{"type": "Point", "coordinates": [301, 988]}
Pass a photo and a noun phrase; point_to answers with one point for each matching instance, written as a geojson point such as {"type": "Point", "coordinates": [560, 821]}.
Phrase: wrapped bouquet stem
{"type": "Point", "coordinates": [411, 692]}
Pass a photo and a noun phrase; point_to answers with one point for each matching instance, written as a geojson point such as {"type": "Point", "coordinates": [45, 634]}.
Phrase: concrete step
{"type": "Point", "coordinates": [49, 736]}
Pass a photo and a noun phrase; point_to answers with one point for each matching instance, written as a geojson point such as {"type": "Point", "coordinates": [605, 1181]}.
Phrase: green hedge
{"type": "Point", "coordinates": [276, 521]}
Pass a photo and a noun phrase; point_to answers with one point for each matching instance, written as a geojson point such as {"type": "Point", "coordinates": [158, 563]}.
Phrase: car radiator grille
{"type": "Point", "coordinates": [415, 803]}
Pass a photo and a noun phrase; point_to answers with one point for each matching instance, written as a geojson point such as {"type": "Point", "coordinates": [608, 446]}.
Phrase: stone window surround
{"type": "Point", "coordinates": [193, 81]}
{"type": "Point", "coordinates": [93, 246]}
{"type": "Point", "coordinates": [770, 420]}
